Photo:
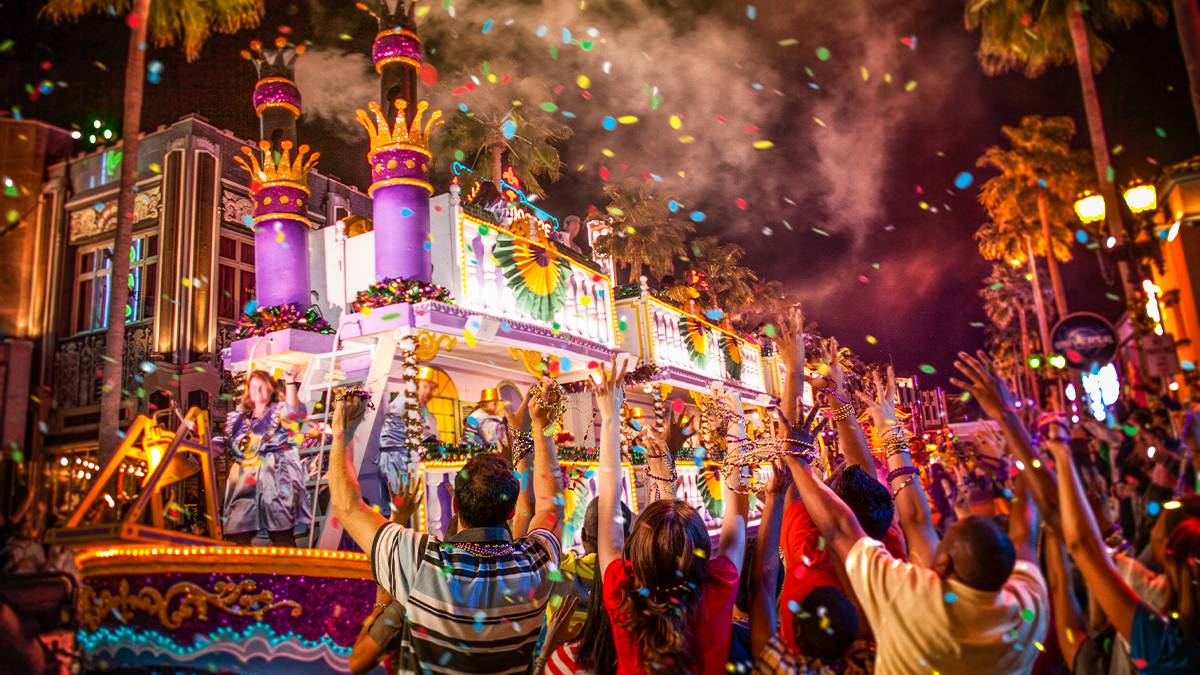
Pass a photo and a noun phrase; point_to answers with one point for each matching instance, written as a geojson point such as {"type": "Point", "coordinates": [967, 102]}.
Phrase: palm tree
{"type": "Point", "coordinates": [1007, 298]}
{"type": "Point", "coordinates": [1009, 241]}
{"type": "Point", "coordinates": [489, 137]}
{"type": "Point", "coordinates": [1187, 24]}
{"type": "Point", "coordinates": [644, 231]}
{"type": "Point", "coordinates": [188, 23]}
{"type": "Point", "coordinates": [726, 283]}
{"type": "Point", "coordinates": [1032, 35]}
{"type": "Point", "coordinates": [1040, 176]}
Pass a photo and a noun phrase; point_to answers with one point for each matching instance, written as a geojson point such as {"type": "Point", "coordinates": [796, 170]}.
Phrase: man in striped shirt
{"type": "Point", "coordinates": [473, 603]}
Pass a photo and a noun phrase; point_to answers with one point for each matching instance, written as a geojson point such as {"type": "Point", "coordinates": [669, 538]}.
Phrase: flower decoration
{"type": "Point", "coordinates": [733, 356]}
{"type": "Point", "coordinates": [536, 274]}
{"type": "Point", "coordinates": [391, 291]}
{"type": "Point", "coordinates": [695, 335]}
{"type": "Point", "coordinates": [272, 318]}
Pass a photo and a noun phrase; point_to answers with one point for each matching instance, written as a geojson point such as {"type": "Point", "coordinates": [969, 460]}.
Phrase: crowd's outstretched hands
{"type": "Point", "coordinates": [790, 337]}
{"type": "Point", "coordinates": [609, 389]}
{"type": "Point", "coordinates": [801, 436]}
{"type": "Point", "coordinates": [883, 407]}
{"type": "Point", "coordinates": [989, 391]}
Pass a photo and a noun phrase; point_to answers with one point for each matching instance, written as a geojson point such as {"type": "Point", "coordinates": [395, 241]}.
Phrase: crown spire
{"type": "Point", "coordinates": [402, 132]}
{"type": "Point", "coordinates": [287, 170]}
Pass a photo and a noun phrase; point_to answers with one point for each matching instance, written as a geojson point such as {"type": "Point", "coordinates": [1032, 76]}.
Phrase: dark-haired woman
{"type": "Point", "coordinates": [668, 593]}
{"type": "Point", "coordinates": [265, 488]}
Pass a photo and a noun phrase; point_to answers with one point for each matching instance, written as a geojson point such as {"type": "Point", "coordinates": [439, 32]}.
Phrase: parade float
{"type": "Point", "coordinates": [470, 285]}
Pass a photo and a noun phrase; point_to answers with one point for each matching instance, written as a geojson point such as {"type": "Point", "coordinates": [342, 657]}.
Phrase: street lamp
{"type": "Point", "coordinates": [1090, 208]}
{"type": "Point", "coordinates": [1140, 197]}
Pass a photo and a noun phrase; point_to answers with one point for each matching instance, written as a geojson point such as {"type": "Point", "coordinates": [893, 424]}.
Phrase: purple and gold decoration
{"type": "Point", "coordinates": [396, 45]}
{"type": "Point", "coordinates": [279, 189]}
{"type": "Point", "coordinates": [270, 318]}
{"type": "Point", "coordinates": [276, 97]}
{"type": "Point", "coordinates": [240, 609]}
{"type": "Point", "coordinates": [536, 272]}
{"type": "Point", "coordinates": [400, 190]}
{"type": "Point", "coordinates": [396, 53]}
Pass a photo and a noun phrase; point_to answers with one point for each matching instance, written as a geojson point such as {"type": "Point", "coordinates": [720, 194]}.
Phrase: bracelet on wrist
{"type": "Point", "coordinates": [902, 471]}
{"type": "Point", "coordinates": [840, 413]}
{"type": "Point", "coordinates": [907, 481]}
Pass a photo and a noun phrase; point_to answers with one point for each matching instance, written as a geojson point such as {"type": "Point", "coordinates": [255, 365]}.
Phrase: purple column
{"type": "Point", "coordinates": [281, 225]}
{"type": "Point", "coordinates": [400, 190]}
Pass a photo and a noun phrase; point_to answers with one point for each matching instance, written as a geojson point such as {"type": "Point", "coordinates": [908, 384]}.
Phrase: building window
{"type": "Point", "coordinates": [235, 276]}
{"type": "Point", "coordinates": [93, 277]}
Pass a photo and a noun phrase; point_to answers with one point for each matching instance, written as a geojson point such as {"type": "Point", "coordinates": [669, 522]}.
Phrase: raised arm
{"type": "Point", "coordinates": [836, 396]}
{"type": "Point", "coordinates": [1082, 536]}
{"type": "Point", "coordinates": [1069, 625]}
{"type": "Point", "coordinates": [610, 396]}
{"type": "Point", "coordinates": [1023, 525]}
{"type": "Point", "coordinates": [345, 495]}
{"type": "Point", "coordinates": [993, 396]}
{"type": "Point", "coordinates": [519, 449]}
{"type": "Point", "coordinates": [909, 493]}
{"type": "Point", "coordinates": [766, 562]}
{"type": "Point", "coordinates": [547, 476]}
{"type": "Point", "coordinates": [291, 388]}
{"type": "Point", "coordinates": [837, 523]}
{"type": "Point", "coordinates": [790, 339]}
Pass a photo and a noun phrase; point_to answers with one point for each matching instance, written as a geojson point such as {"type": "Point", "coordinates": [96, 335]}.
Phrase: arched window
{"type": "Point", "coordinates": [444, 406]}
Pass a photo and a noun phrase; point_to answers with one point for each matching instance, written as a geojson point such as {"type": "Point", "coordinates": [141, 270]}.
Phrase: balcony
{"type": "Point", "coordinates": [78, 362]}
{"type": "Point", "coordinates": [690, 348]}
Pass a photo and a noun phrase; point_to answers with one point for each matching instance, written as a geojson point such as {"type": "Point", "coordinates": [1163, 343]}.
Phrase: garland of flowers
{"type": "Point", "coordinates": [271, 318]}
{"type": "Point", "coordinates": [642, 374]}
{"type": "Point", "coordinates": [414, 424]}
{"type": "Point", "coordinates": [392, 291]}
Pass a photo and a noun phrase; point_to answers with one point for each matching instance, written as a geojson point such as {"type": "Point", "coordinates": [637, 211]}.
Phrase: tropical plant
{"type": "Point", "coordinates": [769, 303]}
{"type": "Point", "coordinates": [1009, 241]}
{"type": "Point", "coordinates": [644, 232]}
{"type": "Point", "coordinates": [723, 281]}
{"type": "Point", "coordinates": [1040, 177]}
{"type": "Point", "coordinates": [1032, 35]}
{"type": "Point", "coordinates": [1007, 298]}
{"type": "Point", "coordinates": [488, 139]}
{"type": "Point", "coordinates": [188, 23]}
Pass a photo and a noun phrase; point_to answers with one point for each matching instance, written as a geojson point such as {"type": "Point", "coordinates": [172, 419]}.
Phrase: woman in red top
{"type": "Point", "coordinates": [669, 595]}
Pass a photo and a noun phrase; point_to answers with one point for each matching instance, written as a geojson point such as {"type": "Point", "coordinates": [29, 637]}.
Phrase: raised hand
{"type": "Point", "coordinates": [346, 413]}
{"type": "Point", "coordinates": [610, 391]}
{"type": "Point", "coordinates": [541, 415]}
{"type": "Point", "coordinates": [404, 503]}
{"type": "Point", "coordinates": [790, 337]}
{"type": "Point", "coordinates": [803, 435]}
{"type": "Point", "coordinates": [989, 391]}
{"type": "Point", "coordinates": [883, 408]}
{"type": "Point", "coordinates": [988, 441]}
{"type": "Point", "coordinates": [781, 478]}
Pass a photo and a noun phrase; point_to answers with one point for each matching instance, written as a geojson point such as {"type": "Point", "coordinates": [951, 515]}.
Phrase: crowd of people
{"type": "Point", "coordinates": [1036, 545]}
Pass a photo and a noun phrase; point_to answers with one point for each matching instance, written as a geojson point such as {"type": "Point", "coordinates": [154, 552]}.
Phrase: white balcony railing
{"type": "Point", "coordinates": [688, 342]}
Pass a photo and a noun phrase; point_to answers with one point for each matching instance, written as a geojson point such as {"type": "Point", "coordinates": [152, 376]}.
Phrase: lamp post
{"type": "Point", "coordinates": [1090, 208]}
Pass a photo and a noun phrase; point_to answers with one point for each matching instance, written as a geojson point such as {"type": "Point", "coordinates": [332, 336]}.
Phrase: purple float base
{"type": "Point", "coordinates": [401, 222]}
{"type": "Point", "coordinates": [277, 342]}
{"type": "Point", "coordinates": [281, 261]}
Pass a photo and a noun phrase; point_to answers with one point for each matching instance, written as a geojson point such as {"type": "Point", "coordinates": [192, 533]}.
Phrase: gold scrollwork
{"type": "Point", "coordinates": [534, 362]}
{"type": "Point", "coordinates": [429, 344]}
{"type": "Point", "coordinates": [237, 598]}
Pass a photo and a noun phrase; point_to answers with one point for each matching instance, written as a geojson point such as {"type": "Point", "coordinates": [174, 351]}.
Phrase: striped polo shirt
{"type": "Point", "coordinates": [466, 613]}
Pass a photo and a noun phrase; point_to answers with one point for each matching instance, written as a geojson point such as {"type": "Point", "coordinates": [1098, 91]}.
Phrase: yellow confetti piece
{"type": "Point", "coordinates": [924, 205]}
{"type": "Point", "coordinates": [871, 340]}
{"type": "Point", "coordinates": [627, 119]}
{"type": "Point", "coordinates": [687, 139]}
{"type": "Point", "coordinates": [820, 122]}
{"type": "Point", "coordinates": [422, 11]}
{"type": "Point", "coordinates": [279, 237]}
{"type": "Point", "coordinates": [887, 77]}
{"type": "Point", "coordinates": [583, 81]}
{"type": "Point", "coordinates": [675, 122]}
{"type": "Point", "coordinates": [608, 153]}
{"type": "Point", "coordinates": [866, 74]}
{"type": "Point", "coordinates": [470, 338]}
{"type": "Point", "coordinates": [366, 311]}
{"type": "Point", "coordinates": [187, 282]}
{"type": "Point", "coordinates": [763, 145]}
{"type": "Point", "coordinates": [491, 78]}
{"type": "Point", "coordinates": [585, 300]}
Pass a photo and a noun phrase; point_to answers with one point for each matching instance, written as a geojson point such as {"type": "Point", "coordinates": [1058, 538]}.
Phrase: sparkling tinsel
{"type": "Point", "coordinates": [269, 319]}
{"type": "Point", "coordinates": [391, 291]}
{"type": "Point", "coordinates": [640, 375]}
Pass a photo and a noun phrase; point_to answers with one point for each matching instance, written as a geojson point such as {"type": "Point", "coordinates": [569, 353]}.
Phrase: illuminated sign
{"type": "Point", "coordinates": [1085, 340]}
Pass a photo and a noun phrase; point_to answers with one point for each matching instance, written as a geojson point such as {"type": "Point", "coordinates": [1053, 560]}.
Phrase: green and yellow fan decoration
{"type": "Point", "coordinates": [537, 275]}
{"type": "Point", "coordinates": [695, 336]}
{"type": "Point", "coordinates": [708, 484]}
{"type": "Point", "coordinates": [733, 356]}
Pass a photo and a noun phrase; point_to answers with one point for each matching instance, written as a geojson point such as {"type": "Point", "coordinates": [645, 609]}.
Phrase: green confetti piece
{"type": "Point", "coordinates": [823, 53]}
{"type": "Point", "coordinates": [1162, 133]}
{"type": "Point", "coordinates": [549, 106]}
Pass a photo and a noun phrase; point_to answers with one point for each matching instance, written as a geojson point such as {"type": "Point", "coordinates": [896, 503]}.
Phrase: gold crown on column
{"type": "Point", "coordinates": [287, 170]}
{"type": "Point", "coordinates": [400, 133]}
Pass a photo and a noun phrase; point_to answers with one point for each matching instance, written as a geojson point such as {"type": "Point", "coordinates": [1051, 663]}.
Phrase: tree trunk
{"type": "Point", "coordinates": [114, 337]}
{"type": "Point", "coordinates": [1039, 306]}
{"type": "Point", "coordinates": [1187, 23]}
{"type": "Point", "coordinates": [497, 152]}
{"type": "Point", "coordinates": [1095, 122]}
{"type": "Point", "coordinates": [1060, 295]}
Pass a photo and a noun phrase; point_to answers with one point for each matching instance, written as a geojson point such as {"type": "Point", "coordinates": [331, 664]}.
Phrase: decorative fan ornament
{"type": "Point", "coordinates": [733, 356]}
{"type": "Point", "coordinates": [695, 335]}
{"type": "Point", "coordinates": [536, 274]}
{"type": "Point", "coordinates": [708, 484]}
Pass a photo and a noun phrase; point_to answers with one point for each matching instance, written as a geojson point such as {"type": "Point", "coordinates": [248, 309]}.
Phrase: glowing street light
{"type": "Point", "coordinates": [1090, 208]}
{"type": "Point", "coordinates": [1140, 197]}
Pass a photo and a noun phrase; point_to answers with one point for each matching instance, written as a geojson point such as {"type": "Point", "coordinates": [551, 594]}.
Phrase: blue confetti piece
{"type": "Point", "coordinates": [1081, 236]}
{"type": "Point", "coordinates": [568, 114]}
{"type": "Point", "coordinates": [751, 12]}
{"type": "Point", "coordinates": [697, 216]}
{"type": "Point", "coordinates": [463, 107]}
{"type": "Point", "coordinates": [1153, 508]}
{"type": "Point", "coordinates": [714, 314]}
{"type": "Point", "coordinates": [406, 212]}
{"type": "Point", "coordinates": [566, 35]}
{"type": "Point", "coordinates": [487, 26]}
{"type": "Point", "coordinates": [428, 246]}
{"type": "Point", "coordinates": [248, 220]}
{"type": "Point", "coordinates": [1187, 365]}
{"type": "Point", "coordinates": [609, 123]}
{"type": "Point", "coordinates": [509, 128]}
{"type": "Point", "coordinates": [963, 180]}
{"type": "Point", "coordinates": [644, 592]}
{"type": "Point", "coordinates": [673, 205]}
{"type": "Point", "coordinates": [950, 597]}
{"type": "Point", "coordinates": [793, 607]}
{"type": "Point", "coordinates": [505, 326]}
{"type": "Point", "coordinates": [250, 306]}
{"type": "Point", "coordinates": [1041, 182]}
{"type": "Point", "coordinates": [541, 31]}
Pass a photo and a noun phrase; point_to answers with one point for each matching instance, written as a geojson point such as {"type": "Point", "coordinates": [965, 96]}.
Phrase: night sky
{"type": "Point", "coordinates": [854, 155]}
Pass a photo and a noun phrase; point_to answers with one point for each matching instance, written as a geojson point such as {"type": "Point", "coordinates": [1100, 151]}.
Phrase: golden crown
{"type": "Point", "coordinates": [401, 133]}
{"type": "Point", "coordinates": [286, 170]}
